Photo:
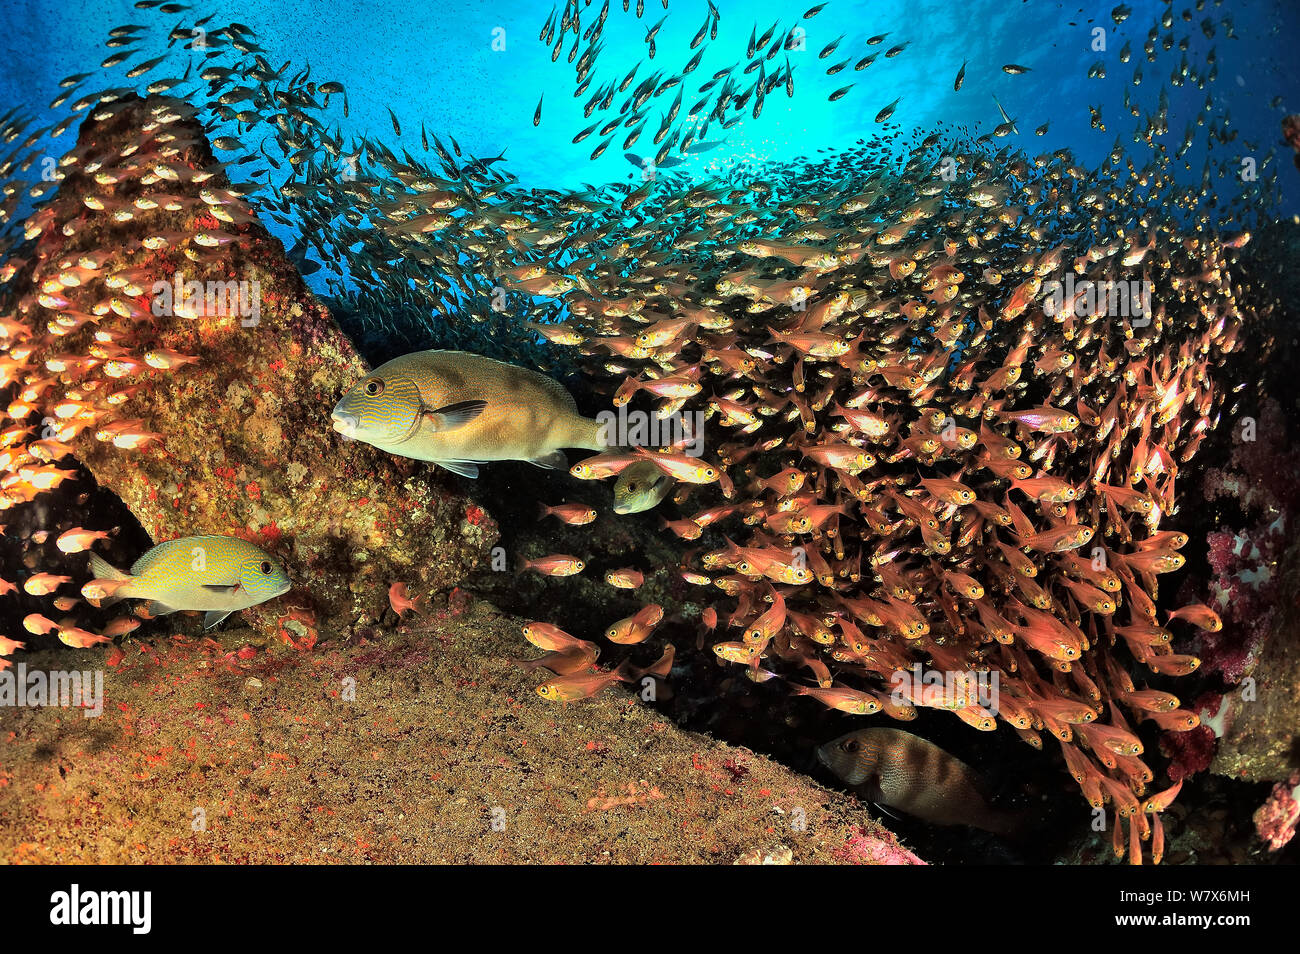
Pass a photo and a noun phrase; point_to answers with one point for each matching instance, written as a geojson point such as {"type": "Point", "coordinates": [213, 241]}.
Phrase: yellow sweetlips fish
{"type": "Point", "coordinates": [214, 573]}
{"type": "Point", "coordinates": [458, 410]}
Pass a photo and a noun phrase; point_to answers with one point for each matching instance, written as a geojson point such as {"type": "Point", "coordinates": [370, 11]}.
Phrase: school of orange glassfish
{"type": "Point", "coordinates": [942, 432]}
{"type": "Point", "coordinates": [927, 440]}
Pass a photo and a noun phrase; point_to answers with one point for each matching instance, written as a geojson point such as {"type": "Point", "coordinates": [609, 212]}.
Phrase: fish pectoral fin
{"type": "Point", "coordinates": [454, 415]}
{"type": "Point", "coordinates": [158, 608]}
{"type": "Point", "coordinates": [555, 460]}
{"type": "Point", "coordinates": [213, 617]}
{"type": "Point", "coordinates": [466, 468]}
{"type": "Point", "coordinates": [880, 807]}
{"type": "Point", "coordinates": [221, 590]}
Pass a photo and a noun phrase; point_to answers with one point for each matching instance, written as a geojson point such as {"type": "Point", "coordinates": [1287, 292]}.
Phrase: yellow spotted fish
{"type": "Point", "coordinates": [216, 574]}
{"type": "Point", "coordinates": [459, 410]}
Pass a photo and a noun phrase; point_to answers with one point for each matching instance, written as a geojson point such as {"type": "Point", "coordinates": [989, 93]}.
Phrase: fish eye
{"type": "Point", "coordinates": [265, 568]}
{"type": "Point", "coordinates": [851, 745]}
{"type": "Point", "coordinates": [374, 387]}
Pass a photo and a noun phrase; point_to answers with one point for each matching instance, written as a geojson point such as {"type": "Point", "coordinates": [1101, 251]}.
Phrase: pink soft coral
{"type": "Point", "coordinates": [1263, 475]}
{"type": "Point", "coordinates": [1276, 819]}
{"type": "Point", "coordinates": [866, 849]}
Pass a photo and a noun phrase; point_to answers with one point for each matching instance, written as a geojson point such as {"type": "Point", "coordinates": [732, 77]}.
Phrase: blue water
{"type": "Point", "coordinates": [435, 63]}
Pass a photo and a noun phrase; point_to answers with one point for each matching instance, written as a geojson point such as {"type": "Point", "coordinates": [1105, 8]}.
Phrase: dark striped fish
{"type": "Point", "coordinates": [903, 771]}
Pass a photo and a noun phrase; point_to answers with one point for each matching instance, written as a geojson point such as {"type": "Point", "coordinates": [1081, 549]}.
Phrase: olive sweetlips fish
{"type": "Point", "coordinates": [213, 573]}
{"type": "Point", "coordinates": [905, 772]}
{"type": "Point", "coordinates": [458, 410]}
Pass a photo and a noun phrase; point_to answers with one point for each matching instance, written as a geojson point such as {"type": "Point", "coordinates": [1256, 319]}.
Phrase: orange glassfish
{"type": "Point", "coordinates": [80, 638]}
{"type": "Point", "coordinates": [1199, 615]}
{"type": "Point", "coordinates": [1051, 489]}
{"type": "Point", "coordinates": [1058, 539]}
{"type": "Point", "coordinates": [739, 652]}
{"type": "Point", "coordinates": [38, 625]}
{"type": "Point", "coordinates": [609, 464]}
{"type": "Point", "coordinates": [1154, 561]}
{"type": "Point", "coordinates": [575, 515]}
{"type": "Point", "coordinates": [564, 662]}
{"type": "Point", "coordinates": [949, 491]}
{"type": "Point", "coordinates": [852, 701]}
{"type": "Point", "coordinates": [637, 627]}
{"type": "Point", "coordinates": [571, 688]}
{"type": "Point", "coordinates": [1173, 664]}
{"type": "Point", "coordinates": [558, 564]}
{"type": "Point", "coordinates": [121, 626]}
{"type": "Point", "coordinates": [401, 601]}
{"type": "Point", "coordinates": [626, 578]}
{"type": "Point", "coordinates": [551, 637]}
{"type": "Point", "coordinates": [769, 623]}
{"type": "Point", "coordinates": [166, 360]}
{"type": "Point", "coordinates": [42, 584]}
{"type": "Point", "coordinates": [76, 540]}
{"type": "Point", "coordinates": [690, 470]}
{"type": "Point", "coordinates": [1050, 419]}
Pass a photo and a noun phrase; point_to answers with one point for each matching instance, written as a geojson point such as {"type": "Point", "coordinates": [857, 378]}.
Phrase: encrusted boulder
{"type": "Point", "coordinates": [244, 444]}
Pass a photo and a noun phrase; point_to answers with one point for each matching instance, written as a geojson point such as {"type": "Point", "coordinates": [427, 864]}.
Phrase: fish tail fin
{"type": "Point", "coordinates": [1005, 824]}
{"type": "Point", "coordinates": [624, 671]}
{"type": "Point", "coordinates": [996, 819]}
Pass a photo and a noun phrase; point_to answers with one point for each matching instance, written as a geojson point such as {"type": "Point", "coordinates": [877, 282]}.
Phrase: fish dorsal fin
{"type": "Point", "coordinates": [104, 570]}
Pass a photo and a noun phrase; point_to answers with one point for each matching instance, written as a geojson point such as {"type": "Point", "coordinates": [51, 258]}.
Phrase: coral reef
{"type": "Point", "coordinates": [209, 412]}
{"type": "Point", "coordinates": [1262, 479]}
{"type": "Point", "coordinates": [951, 400]}
{"type": "Point", "coordinates": [1252, 706]}
{"type": "Point", "coordinates": [234, 442]}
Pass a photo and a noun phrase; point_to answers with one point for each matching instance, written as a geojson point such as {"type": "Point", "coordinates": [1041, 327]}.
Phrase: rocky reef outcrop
{"type": "Point", "coordinates": [237, 440]}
